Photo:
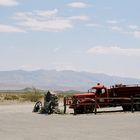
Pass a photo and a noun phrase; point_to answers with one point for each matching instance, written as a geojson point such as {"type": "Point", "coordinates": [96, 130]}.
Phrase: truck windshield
{"type": "Point", "coordinates": [97, 90]}
{"type": "Point", "coordinates": [92, 90]}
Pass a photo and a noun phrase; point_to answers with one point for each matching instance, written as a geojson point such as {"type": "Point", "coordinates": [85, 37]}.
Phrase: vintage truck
{"type": "Point", "coordinates": [127, 96]}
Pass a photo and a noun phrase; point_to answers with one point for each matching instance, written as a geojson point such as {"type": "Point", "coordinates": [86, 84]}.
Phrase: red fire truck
{"type": "Point", "coordinates": [127, 96]}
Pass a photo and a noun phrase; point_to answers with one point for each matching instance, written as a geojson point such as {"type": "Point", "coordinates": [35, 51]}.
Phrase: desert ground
{"type": "Point", "coordinates": [17, 122]}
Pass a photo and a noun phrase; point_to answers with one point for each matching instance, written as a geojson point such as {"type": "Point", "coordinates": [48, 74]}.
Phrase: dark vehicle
{"type": "Point", "coordinates": [50, 104]}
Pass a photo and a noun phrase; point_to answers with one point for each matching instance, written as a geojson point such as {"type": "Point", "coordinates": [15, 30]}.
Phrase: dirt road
{"type": "Point", "coordinates": [17, 122]}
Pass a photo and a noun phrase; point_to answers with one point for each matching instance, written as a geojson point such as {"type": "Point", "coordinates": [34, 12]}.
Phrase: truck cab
{"type": "Point", "coordinates": [85, 102]}
{"type": "Point", "coordinates": [99, 90]}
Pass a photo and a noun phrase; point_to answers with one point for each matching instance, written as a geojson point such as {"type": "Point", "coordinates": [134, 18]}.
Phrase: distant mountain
{"type": "Point", "coordinates": [58, 80]}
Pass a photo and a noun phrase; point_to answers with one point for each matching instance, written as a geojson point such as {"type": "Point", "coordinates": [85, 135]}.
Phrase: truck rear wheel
{"type": "Point", "coordinates": [126, 107]}
{"type": "Point", "coordinates": [137, 106]}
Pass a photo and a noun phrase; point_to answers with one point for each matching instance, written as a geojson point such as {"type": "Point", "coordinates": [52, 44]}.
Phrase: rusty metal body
{"type": "Point", "coordinates": [50, 104]}
{"type": "Point", "coordinates": [101, 96]}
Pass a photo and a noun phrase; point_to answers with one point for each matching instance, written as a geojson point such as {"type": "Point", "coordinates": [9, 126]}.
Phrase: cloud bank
{"type": "Point", "coordinates": [46, 20]}
{"type": "Point", "coordinates": [114, 50]}
{"type": "Point", "coordinates": [8, 2]}
{"type": "Point", "coordinates": [7, 28]}
{"type": "Point", "coordinates": [78, 5]}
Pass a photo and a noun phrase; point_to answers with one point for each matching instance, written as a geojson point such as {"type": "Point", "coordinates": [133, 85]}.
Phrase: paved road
{"type": "Point", "coordinates": [17, 122]}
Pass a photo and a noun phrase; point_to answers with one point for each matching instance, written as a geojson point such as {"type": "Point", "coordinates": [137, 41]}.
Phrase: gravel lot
{"type": "Point", "coordinates": [19, 123]}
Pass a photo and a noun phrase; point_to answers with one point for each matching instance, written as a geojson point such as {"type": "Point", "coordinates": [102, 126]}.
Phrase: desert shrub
{"type": "Point", "coordinates": [33, 97]}
{"type": "Point", "coordinates": [11, 97]}
{"type": "Point", "coordinates": [60, 96]}
{"type": "Point", "coordinates": [1, 96]}
{"type": "Point", "coordinates": [26, 95]}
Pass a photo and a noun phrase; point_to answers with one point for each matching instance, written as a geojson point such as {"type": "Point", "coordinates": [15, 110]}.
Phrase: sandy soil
{"type": "Point", "coordinates": [17, 122]}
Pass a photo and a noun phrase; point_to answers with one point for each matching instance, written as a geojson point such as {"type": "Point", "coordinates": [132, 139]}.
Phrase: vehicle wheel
{"type": "Point", "coordinates": [89, 109]}
{"type": "Point", "coordinates": [137, 106]}
{"type": "Point", "coordinates": [37, 106]}
{"type": "Point", "coordinates": [126, 107]}
{"type": "Point", "coordinates": [79, 110]}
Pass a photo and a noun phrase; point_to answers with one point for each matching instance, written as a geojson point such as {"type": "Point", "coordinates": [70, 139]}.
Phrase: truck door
{"type": "Point", "coordinates": [101, 93]}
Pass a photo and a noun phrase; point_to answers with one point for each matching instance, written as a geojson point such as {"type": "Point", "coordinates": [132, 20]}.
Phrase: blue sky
{"type": "Point", "coordinates": [99, 36]}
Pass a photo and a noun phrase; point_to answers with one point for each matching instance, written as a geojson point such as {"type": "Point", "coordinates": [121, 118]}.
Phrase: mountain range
{"type": "Point", "coordinates": [58, 80]}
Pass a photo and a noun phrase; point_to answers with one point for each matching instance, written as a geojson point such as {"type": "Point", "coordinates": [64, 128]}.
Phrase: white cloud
{"type": "Point", "coordinates": [7, 28]}
{"type": "Point", "coordinates": [46, 20]}
{"type": "Point", "coordinates": [116, 28]}
{"type": "Point", "coordinates": [8, 2]}
{"type": "Point", "coordinates": [114, 50]}
{"type": "Point", "coordinates": [50, 25]}
{"type": "Point", "coordinates": [78, 5]}
{"type": "Point", "coordinates": [84, 18]}
{"type": "Point", "coordinates": [133, 27]}
{"type": "Point", "coordinates": [112, 21]}
{"type": "Point", "coordinates": [93, 25]}
{"type": "Point", "coordinates": [48, 13]}
{"type": "Point", "coordinates": [28, 67]}
{"type": "Point", "coordinates": [136, 34]}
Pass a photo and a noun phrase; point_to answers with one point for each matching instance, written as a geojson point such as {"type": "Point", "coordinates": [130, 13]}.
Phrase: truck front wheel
{"type": "Point", "coordinates": [88, 109]}
{"type": "Point", "coordinates": [79, 110]}
{"type": "Point", "coordinates": [84, 109]}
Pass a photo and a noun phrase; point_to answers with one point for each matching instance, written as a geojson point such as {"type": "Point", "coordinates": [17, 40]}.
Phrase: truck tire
{"type": "Point", "coordinates": [79, 110]}
{"type": "Point", "coordinates": [37, 106]}
{"type": "Point", "coordinates": [89, 109]}
{"type": "Point", "coordinates": [126, 107]}
{"type": "Point", "coordinates": [137, 106]}
{"type": "Point", "coordinates": [84, 109]}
